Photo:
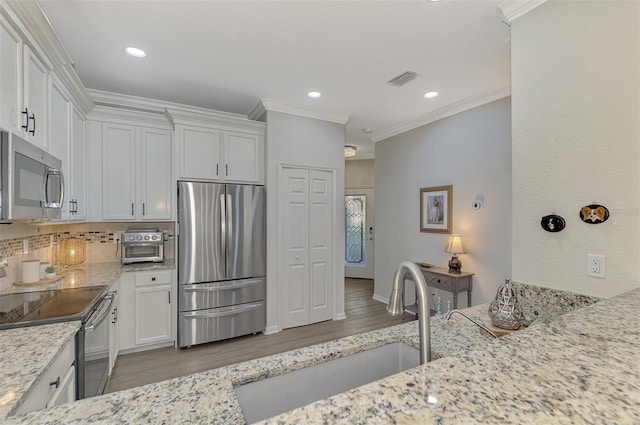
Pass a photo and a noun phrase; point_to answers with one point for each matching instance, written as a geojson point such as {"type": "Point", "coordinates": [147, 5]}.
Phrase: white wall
{"type": "Point", "coordinates": [576, 135]}
{"type": "Point", "coordinates": [295, 140]}
{"type": "Point", "coordinates": [471, 151]}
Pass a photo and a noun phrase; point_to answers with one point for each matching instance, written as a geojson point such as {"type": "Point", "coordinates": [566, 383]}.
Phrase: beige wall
{"type": "Point", "coordinates": [471, 151]}
{"type": "Point", "coordinates": [359, 174]}
{"type": "Point", "coordinates": [576, 136]}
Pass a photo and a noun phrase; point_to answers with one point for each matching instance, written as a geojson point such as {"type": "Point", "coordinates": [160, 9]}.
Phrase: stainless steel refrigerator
{"type": "Point", "coordinates": [221, 261]}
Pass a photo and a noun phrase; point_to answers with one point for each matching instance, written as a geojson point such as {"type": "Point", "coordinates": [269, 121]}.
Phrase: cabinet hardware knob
{"type": "Point", "coordinates": [56, 383]}
{"type": "Point", "coordinates": [153, 279]}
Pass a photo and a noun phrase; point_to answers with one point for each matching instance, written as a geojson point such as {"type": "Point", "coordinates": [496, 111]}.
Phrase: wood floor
{"type": "Point", "coordinates": [363, 314]}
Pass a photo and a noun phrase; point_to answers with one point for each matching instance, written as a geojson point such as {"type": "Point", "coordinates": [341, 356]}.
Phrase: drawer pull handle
{"type": "Point", "coordinates": [153, 279]}
{"type": "Point", "coordinates": [56, 383]}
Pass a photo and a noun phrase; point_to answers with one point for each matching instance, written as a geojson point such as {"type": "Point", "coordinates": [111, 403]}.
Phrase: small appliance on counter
{"type": "Point", "coordinates": [141, 245]}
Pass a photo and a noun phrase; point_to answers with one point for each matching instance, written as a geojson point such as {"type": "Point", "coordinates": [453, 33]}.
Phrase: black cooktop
{"type": "Point", "coordinates": [50, 306]}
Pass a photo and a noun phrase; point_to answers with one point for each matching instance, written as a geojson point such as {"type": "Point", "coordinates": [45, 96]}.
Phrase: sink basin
{"type": "Point", "coordinates": [269, 397]}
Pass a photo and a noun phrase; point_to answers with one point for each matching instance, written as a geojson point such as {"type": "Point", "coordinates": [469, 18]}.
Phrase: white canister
{"type": "Point", "coordinates": [30, 271]}
{"type": "Point", "coordinates": [43, 266]}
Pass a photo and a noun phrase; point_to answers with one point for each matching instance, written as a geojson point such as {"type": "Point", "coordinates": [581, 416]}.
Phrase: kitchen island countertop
{"type": "Point", "coordinates": [575, 369]}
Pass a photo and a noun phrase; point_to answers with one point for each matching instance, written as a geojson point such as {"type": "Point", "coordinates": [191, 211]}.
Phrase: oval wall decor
{"type": "Point", "coordinates": [594, 214]}
{"type": "Point", "coordinates": [552, 223]}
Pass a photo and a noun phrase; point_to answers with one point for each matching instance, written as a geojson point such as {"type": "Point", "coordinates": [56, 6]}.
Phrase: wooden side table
{"type": "Point", "coordinates": [440, 278]}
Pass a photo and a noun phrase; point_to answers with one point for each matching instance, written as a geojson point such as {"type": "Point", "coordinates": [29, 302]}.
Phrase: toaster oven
{"type": "Point", "coordinates": [142, 245]}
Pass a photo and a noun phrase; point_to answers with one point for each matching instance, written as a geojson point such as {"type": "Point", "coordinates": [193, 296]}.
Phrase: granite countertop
{"type": "Point", "coordinates": [26, 353]}
{"type": "Point", "coordinates": [575, 368]}
{"type": "Point", "coordinates": [92, 274]}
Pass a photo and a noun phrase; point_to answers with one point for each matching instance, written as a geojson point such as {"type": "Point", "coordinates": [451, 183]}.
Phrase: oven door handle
{"type": "Point", "coordinates": [96, 319]}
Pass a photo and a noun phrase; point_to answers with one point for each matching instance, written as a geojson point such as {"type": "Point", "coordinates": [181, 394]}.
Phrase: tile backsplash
{"type": "Point", "coordinates": [43, 243]}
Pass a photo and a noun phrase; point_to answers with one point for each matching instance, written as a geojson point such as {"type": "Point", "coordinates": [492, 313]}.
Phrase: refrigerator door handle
{"type": "Point", "coordinates": [223, 225]}
{"type": "Point", "coordinates": [229, 231]}
{"type": "Point", "coordinates": [224, 286]}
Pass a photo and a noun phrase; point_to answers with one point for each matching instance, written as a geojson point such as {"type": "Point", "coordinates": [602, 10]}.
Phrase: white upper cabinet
{"type": "Point", "coordinates": [78, 195]}
{"type": "Point", "coordinates": [219, 155]}
{"type": "Point", "coordinates": [10, 78]}
{"type": "Point", "coordinates": [155, 174]}
{"type": "Point", "coordinates": [59, 145]}
{"type": "Point", "coordinates": [214, 146]}
{"type": "Point", "coordinates": [36, 99]}
{"type": "Point", "coordinates": [241, 157]}
{"type": "Point", "coordinates": [136, 173]}
{"type": "Point", "coordinates": [199, 153]}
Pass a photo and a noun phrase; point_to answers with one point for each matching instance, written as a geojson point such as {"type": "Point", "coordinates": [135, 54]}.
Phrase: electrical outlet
{"type": "Point", "coordinates": [595, 265]}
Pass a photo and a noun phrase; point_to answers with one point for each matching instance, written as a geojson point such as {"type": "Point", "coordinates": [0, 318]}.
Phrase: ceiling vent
{"type": "Point", "coordinates": [402, 79]}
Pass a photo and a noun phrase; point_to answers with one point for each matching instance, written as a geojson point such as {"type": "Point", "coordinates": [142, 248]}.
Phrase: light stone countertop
{"type": "Point", "coordinates": [581, 367]}
{"type": "Point", "coordinates": [26, 353]}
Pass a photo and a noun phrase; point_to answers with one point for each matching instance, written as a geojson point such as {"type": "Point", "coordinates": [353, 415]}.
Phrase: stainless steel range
{"type": "Point", "coordinates": [90, 305]}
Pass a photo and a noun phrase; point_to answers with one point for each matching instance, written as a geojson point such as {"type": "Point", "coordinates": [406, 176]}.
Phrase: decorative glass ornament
{"type": "Point", "coordinates": [504, 310]}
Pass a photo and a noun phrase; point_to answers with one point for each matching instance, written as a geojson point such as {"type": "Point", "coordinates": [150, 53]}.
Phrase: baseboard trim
{"type": "Point", "coordinates": [269, 330]}
{"type": "Point", "coordinates": [381, 298]}
{"type": "Point", "coordinates": [340, 316]}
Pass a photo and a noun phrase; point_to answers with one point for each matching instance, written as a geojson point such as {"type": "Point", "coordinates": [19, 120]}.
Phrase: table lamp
{"type": "Point", "coordinates": [455, 246]}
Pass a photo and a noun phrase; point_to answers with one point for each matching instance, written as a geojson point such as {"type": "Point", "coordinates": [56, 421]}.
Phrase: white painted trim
{"type": "Point", "coordinates": [124, 116]}
{"type": "Point", "coordinates": [39, 35]}
{"type": "Point", "coordinates": [380, 298]}
{"type": "Point", "coordinates": [455, 108]}
{"type": "Point", "coordinates": [361, 156]}
{"type": "Point", "coordinates": [175, 113]}
{"type": "Point", "coordinates": [270, 330]}
{"type": "Point", "coordinates": [510, 10]}
{"type": "Point", "coordinates": [340, 316]}
{"type": "Point", "coordinates": [299, 110]}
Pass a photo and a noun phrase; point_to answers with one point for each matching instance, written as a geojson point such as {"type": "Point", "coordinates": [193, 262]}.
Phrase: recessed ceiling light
{"type": "Point", "coordinates": [431, 94]}
{"type": "Point", "coordinates": [134, 51]}
{"type": "Point", "coordinates": [314, 94]}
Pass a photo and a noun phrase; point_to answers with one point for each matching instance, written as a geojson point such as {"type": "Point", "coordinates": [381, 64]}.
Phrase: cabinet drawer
{"type": "Point", "coordinates": [45, 389]}
{"type": "Point", "coordinates": [219, 294]}
{"type": "Point", "coordinates": [153, 278]}
{"type": "Point", "coordinates": [440, 282]}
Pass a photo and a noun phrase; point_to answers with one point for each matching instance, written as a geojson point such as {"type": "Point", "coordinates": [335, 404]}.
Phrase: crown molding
{"type": "Point", "coordinates": [299, 110]}
{"type": "Point", "coordinates": [174, 113]}
{"type": "Point", "coordinates": [125, 116]}
{"type": "Point", "coordinates": [510, 10]}
{"type": "Point", "coordinates": [360, 156]}
{"type": "Point", "coordinates": [36, 30]}
{"type": "Point", "coordinates": [455, 108]}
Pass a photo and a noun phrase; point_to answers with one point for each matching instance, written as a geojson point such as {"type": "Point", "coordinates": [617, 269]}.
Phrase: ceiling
{"type": "Point", "coordinates": [227, 55]}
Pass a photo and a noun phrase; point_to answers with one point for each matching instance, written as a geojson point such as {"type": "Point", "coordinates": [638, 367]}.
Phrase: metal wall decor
{"type": "Point", "coordinates": [594, 214]}
{"type": "Point", "coordinates": [553, 223]}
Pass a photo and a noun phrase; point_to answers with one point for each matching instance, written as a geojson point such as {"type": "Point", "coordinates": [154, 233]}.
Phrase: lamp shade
{"type": "Point", "coordinates": [455, 245]}
{"type": "Point", "coordinates": [349, 151]}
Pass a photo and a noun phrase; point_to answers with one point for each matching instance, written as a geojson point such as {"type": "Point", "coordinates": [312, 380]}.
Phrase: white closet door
{"type": "Point", "coordinates": [294, 224]}
{"type": "Point", "coordinates": [320, 244]}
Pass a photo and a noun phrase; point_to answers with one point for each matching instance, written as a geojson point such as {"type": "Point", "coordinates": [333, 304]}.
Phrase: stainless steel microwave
{"type": "Point", "coordinates": [31, 181]}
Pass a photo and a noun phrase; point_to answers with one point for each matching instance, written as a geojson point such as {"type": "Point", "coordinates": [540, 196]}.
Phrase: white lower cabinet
{"type": "Point", "coordinates": [58, 384]}
{"type": "Point", "coordinates": [146, 310]}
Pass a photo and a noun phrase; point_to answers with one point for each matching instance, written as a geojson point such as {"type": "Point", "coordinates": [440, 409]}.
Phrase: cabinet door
{"type": "Point", "coordinates": [154, 202]}
{"type": "Point", "coordinates": [78, 164]}
{"type": "Point", "coordinates": [59, 143]}
{"type": "Point", "coordinates": [36, 95]}
{"type": "Point", "coordinates": [66, 391]}
{"type": "Point", "coordinates": [241, 153]}
{"type": "Point", "coordinates": [118, 172]}
{"type": "Point", "coordinates": [199, 153]}
{"type": "Point", "coordinates": [152, 314]}
{"type": "Point", "coordinates": [10, 78]}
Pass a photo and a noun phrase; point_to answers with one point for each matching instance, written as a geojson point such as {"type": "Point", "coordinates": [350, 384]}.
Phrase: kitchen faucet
{"type": "Point", "coordinates": [394, 307]}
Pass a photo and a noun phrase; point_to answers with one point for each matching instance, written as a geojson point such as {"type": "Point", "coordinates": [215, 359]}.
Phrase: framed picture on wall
{"type": "Point", "coordinates": [435, 209]}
